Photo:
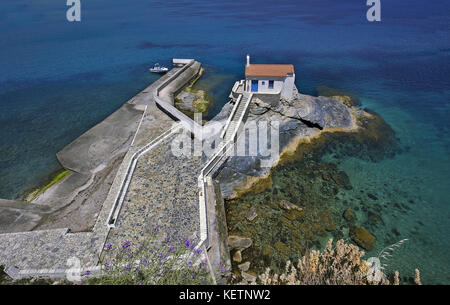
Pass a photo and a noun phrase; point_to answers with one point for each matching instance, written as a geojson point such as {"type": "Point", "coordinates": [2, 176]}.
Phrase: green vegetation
{"type": "Point", "coordinates": [200, 101]}
{"type": "Point", "coordinates": [55, 179]}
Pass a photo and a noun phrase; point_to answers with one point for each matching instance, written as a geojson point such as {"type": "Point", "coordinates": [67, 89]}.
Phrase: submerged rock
{"type": "Point", "coordinates": [192, 101]}
{"type": "Point", "coordinates": [294, 214]}
{"type": "Point", "coordinates": [374, 219]}
{"type": "Point", "coordinates": [284, 204]}
{"type": "Point", "coordinates": [282, 248]}
{"type": "Point", "coordinates": [349, 215]}
{"type": "Point", "coordinates": [347, 98]}
{"type": "Point", "coordinates": [341, 179]}
{"type": "Point", "coordinates": [327, 220]}
{"type": "Point", "coordinates": [267, 252]}
{"type": "Point", "coordinates": [372, 196]}
{"type": "Point", "coordinates": [363, 238]}
{"type": "Point", "coordinates": [251, 214]}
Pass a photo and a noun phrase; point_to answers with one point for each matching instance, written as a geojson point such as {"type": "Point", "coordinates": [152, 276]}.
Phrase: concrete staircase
{"type": "Point", "coordinates": [237, 118]}
{"type": "Point", "coordinates": [229, 135]}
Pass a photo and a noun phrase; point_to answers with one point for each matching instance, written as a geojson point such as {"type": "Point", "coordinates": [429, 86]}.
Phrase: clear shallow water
{"type": "Point", "coordinates": [412, 190]}
{"type": "Point", "coordinates": [58, 79]}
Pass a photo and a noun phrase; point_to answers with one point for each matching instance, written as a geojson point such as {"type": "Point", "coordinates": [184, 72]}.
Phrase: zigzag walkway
{"type": "Point", "coordinates": [163, 190]}
{"type": "Point", "coordinates": [163, 193]}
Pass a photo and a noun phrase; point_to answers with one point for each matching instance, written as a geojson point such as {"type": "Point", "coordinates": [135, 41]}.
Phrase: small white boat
{"type": "Point", "coordinates": [157, 68]}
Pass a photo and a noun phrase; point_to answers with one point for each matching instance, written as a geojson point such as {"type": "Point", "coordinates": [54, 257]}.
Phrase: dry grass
{"type": "Point", "coordinates": [341, 265]}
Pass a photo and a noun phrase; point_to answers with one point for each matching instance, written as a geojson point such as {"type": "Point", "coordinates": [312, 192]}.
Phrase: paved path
{"type": "Point", "coordinates": [163, 192]}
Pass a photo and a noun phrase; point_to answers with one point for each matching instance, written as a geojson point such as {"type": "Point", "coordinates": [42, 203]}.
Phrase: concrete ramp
{"type": "Point", "coordinates": [18, 216]}
{"type": "Point", "coordinates": [94, 149]}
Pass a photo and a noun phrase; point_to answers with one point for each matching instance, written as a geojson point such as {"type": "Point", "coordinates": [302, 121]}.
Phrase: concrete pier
{"type": "Point", "coordinates": [101, 154]}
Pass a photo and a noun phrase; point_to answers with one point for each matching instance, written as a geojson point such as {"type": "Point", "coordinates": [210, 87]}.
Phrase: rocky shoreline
{"type": "Point", "coordinates": [288, 208]}
{"type": "Point", "coordinates": [191, 100]}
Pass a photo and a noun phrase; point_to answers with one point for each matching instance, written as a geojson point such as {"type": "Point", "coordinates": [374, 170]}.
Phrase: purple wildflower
{"type": "Point", "coordinates": [191, 276]}
{"type": "Point", "coordinates": [139, 283]}
{"type": "Point", "coordinates": [127, 268]}
{"type": "Point", "coordinates": [189, 264]}
{"type": "Point", "coordinates": [126, 244]}
{"type": "Point", "coordinates": [222, 267]}
{"type": "Point", "coordinates": [156, 229]}
{"type": "Point", "coordinates": [88, 272]}
{"type": "Point", "coordinates": [108, 246]}
{"type": "Point", "coordinates": [108, 264]}
{"type": "Point", "coordinates": [171, 249]}
{"type": "Point", "coordinates": [144, 262]}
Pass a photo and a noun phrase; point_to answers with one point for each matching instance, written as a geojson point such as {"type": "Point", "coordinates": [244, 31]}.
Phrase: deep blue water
{"type": "Point", "coordinates": [58, 79]}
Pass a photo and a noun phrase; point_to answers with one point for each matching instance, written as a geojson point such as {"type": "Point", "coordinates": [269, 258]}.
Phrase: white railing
{"type": "Point", "coordinates": [175, 75]}
{"type": "Point", "coordinates": [181, 61]}
{"type": "Point", "coordinates": [247, 103]}
{"type": "Point", "coordinates": [231, 116]}
{"type": "Point", "coordinates": [117, 206]}
{"type": "Point", "coordinates": [187, 122]}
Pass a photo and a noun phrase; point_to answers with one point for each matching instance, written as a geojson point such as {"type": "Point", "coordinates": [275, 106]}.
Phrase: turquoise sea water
{"type": "Point", "coordinates": [58, 79]}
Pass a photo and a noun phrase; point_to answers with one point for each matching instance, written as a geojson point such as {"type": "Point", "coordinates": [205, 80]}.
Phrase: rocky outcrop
{"type": "Point", "coordinates": [192, 100]}
{"type": "Point", "coordinates": [301, 117]}
{"type": "Point", "coordinates": [314, 133]}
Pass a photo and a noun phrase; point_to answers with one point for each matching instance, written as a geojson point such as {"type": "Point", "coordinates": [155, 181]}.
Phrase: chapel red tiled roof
{"type": "Point", "coordinates": [268, 70]}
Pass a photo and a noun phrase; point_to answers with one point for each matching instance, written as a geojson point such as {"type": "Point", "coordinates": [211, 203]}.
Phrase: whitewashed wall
{"type": "Point", "coordinates": [263, 84]}
{"type": "Point", "coordinates": [285, 85]}
{"type": "Point", "coordinates": [288, 87]}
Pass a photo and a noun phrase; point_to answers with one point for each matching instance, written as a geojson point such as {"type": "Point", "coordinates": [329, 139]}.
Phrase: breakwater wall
{"type": "Point", "coordinates": [45, 253]}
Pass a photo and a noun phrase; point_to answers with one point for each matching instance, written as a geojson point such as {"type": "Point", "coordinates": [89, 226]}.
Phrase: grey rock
{"type": "Point", "coordinates": [244, 266]}
{"type": "Point", "coordinates": [284, 204]}
{"type": "Point", "coordinates": [251, 214]}
{"type": "Point", "coordinates": [238, 242]}
{"type": "Point", "coordinates": [299, 117]}
{"type": "Point", "coordinates": [237, 257]}
{"type": "Point", "coordinates": [250, 278]}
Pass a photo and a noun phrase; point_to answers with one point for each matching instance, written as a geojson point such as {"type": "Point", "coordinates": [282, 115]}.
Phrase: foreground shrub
{"type": "Point", "coordinates": [341, 265]}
